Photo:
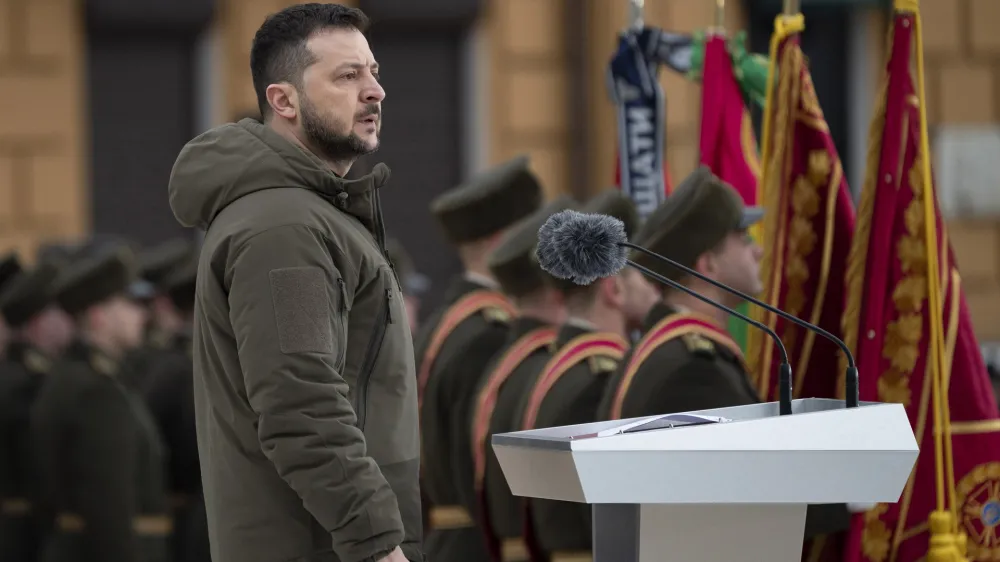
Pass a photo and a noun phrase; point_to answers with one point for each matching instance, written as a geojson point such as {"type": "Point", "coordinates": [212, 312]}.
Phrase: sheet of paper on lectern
{"type": "Point", "coordinates": [666, 421]}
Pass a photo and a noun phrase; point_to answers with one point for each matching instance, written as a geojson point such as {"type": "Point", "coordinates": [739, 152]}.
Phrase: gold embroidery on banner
{"type": "Point", "coordinates": [975, 427]}
{"type": "Point", "coordinates": [901, 346]}
{"type": "Point", "coordinates": [802, 237]}
{"type": "Point", "coordinates": [809, 100]}
{"type": "Point", "coordinates": [875, 536]}
{"type": "Point", "coordinates": [978, 502]}
{"type": "Point", "coordinates": [858, 254]}
{"type": "Point", "coordinates": [949, 285]}
{"type": "Point", "coordinates": [775, 172]}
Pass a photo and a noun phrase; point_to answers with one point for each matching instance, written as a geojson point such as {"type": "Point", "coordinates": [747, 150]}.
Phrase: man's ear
{"type": "Point", "coordinates": [284, 100]}
{"type": "Point", "coordinates": [705, 264]}
{"type": "Point", "coordinates": [612, 290]}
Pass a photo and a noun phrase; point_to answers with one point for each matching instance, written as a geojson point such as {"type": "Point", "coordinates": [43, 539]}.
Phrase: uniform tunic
{"type": "Point", "coordinates": [21, 377]}
{"type": "Point", "coordinates": [100, 462]}
{"type": "Point", "coordinates": [565, 527]}
{"type": "Point", "coordinates": [689, 372]}
{"type": "Point", "coordinates": [452, 535]}
{"type": "Point", "coordinates": [504, 510]}
{"type": "Point", "coordinates": [169, 392]}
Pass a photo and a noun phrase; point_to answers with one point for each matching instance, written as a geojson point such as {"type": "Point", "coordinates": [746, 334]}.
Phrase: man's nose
{"type": "Point", "coordinates": [374, 93]}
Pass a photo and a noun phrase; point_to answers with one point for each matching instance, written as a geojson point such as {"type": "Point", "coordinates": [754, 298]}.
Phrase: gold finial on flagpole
{"type": "Point", "coordinates": [791, 7]}
{"type": "Point", "coordinates": [635, 13]}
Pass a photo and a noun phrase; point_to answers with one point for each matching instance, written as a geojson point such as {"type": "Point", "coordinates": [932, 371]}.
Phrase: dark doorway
{"type": "Point", "coordinates": [141, 86]}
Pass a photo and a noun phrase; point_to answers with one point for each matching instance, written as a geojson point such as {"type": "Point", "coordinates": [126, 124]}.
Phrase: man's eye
{"type": "Point", "coordinates": [376, 75]}
{"type": "Point", "coordinates": [350, 75]}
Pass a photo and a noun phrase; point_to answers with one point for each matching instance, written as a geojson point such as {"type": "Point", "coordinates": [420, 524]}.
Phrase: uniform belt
{"type": "Point", "coordinates": [572, 556]}
{"type": "Point", "coordinates": [15, 507]}
{"type": "Point", "coordinates": [514, 550]}
{"type": "Point", "coordinates": [142, 525]}
{"type": "Point", "coordinates": [446, 517]}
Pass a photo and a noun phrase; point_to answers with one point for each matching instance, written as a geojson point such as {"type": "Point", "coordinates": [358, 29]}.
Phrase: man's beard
{"type": "Point", "coordinates": [322, 135]}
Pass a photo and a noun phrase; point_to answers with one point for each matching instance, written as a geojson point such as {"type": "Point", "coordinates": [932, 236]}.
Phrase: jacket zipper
{"type": "Point", "coordinates": [380, 236]}
{"type": "Point", "coordinates": [371, 356]}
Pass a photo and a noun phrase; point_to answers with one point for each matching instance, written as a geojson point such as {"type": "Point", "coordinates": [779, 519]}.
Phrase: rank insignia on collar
{"type": "Point", "coordinates": [496, 315]}
{"type": "Point", "coordinates": [37, 362]}
{"type": "Point", "coordinates": [103, 364]}
{"type": "Point", "coordinates": [699, 344]}
{"type": "Point", "coordinates": [602, 364]}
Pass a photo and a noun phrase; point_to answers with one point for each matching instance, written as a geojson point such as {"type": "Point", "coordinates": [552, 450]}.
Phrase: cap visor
{"type": "Point", "coordinates": [417, 284]}
{"type": "Point", "coordinates": [141, 290]}
{"type": "Point", "coordinates": [751, 216]}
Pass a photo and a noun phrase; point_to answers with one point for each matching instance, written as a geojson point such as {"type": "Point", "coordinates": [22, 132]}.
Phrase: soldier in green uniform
{"type": "Point", "coordinates": [568, 388]}
{"type": "Point", "coordinates": [473, 216]}
{"type": "Point", "coordinates": [10, 266]}
{"type": "Point", "coordinates": [686, 360]}
{"type": "Point", "coordinates": [169, 392]}
{"type": "Point", "coordinates": [38, 334]}
{"type": "Point", "coordinates": [504, 372]}
{"type": "Point", "coordinates": [164, 320]}
{"type": "Point", "coordinates": [98, 453]}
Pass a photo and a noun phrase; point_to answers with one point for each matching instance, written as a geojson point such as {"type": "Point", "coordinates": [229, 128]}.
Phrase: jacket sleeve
{"type": "Point", "coordinates": [106, 461]}
{"type": "Point", "coordinates": [290, 322]}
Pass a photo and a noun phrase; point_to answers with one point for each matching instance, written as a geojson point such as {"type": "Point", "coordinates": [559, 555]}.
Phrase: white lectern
{"type": "Point", "coordinates": [718, 492]}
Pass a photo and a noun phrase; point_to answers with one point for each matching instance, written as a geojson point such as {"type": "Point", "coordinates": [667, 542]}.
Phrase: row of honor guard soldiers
{"type": "Point", "coordinates": [513, 348]}
{"type": "Point", "coordinates": [98, 457]}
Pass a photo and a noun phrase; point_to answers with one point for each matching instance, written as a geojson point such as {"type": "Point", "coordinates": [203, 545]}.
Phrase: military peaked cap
{"type": "Point", "coordinates": [489, 202]}
{"type": "Point", "coordinates": [94, 279]}
{"type": "Point", "coordinates": [513, 263]}
{"type": "Point", "coordinates": [610, 202]}
{"type": "Point", "coordinates": [412, 281]}
{"type": "Point", "coordinates": [10, 267]}
{"type": "Point", "coordinates": [156, 263]}
{"type": "Point", "coordinates": [616, 204]}
{"type": "Point", "coordinates": [29, 293]}
{"type": "Point", "coordinates": [694, 219]}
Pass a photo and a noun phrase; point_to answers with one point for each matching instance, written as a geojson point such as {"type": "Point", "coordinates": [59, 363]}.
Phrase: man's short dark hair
{"type": "Point", "coordinates": [278, 52]}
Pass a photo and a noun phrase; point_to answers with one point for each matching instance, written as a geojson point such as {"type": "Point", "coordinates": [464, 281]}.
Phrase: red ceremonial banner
{"type": "Point", "coordinates": [728, 145]}
{"type": "Point", "coordinates": [807, 229]}
{"type": "Point", "coordinates": [886, 323]}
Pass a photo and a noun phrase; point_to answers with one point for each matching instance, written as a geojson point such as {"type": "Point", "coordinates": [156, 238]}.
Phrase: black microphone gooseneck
{"type": "Point", "coordinates": [850, 382]}
{"type": "Point", "coordinates": [785, 375]}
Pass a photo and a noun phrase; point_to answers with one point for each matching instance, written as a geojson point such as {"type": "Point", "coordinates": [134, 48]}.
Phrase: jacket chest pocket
{"type": "Point", "coordinates": [386, 314]}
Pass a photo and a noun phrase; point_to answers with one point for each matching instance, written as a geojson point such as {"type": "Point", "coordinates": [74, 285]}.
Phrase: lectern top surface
{"type": "Point", "coordinates": [562, 438]}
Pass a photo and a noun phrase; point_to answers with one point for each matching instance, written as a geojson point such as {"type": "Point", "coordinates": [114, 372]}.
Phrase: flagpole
{"type": "Point", "coordinates": [791, 7]}
{"type": "Point", "coordinates": [720, 16]}
{"type": "Point", "coordinates": [635, 14]}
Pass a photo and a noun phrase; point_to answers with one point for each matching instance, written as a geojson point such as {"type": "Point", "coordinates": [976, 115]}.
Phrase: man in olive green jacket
{"type": "Point", "coordinates": [305, 390]}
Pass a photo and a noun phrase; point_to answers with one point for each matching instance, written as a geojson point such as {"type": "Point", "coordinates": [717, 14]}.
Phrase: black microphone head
{"type": "Point", "coordinates": [581, 247]}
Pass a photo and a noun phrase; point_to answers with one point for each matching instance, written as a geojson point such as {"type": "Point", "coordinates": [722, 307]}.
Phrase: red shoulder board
{"type": "Point", "coordinates": [671, 327]}
{"type": "Point", "coordinates": [462, 309]}
{"type": "Point", "coordinates": [576, 350]}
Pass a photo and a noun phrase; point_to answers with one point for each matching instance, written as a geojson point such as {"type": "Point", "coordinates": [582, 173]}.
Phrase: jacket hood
{"type": "Point", "coordinates": [237, 159]}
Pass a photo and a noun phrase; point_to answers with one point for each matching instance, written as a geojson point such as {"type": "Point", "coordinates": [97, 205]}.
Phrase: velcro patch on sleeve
{"type": "Point", "coordinates": [302, 310]}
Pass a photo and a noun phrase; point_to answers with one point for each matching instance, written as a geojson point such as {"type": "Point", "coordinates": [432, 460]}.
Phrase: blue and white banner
{"type": "Point", "coordinates": [633, 80]}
